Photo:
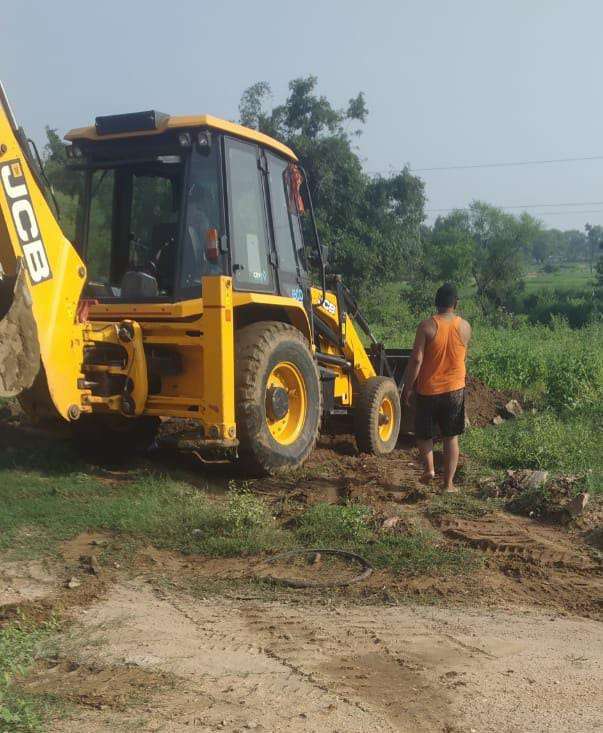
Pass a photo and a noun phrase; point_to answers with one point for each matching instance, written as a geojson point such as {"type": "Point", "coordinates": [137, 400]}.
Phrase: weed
{"type": "Point", "coordinates": [21, 644]}
{"type": "Point", "coordinates": [352, 527]}
{"type": "Point", "coordinates": [331, 525]}
{"type": "Point", "coordinates": [460, 505]}
{"type": "Point", "coordinates": [568, 442]}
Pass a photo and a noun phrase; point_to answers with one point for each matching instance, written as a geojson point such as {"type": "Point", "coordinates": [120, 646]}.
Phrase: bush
{"type": "Point", "coordinates": [330, 525]}
{"type": "Point", "coordinates": [576, 305]}
{"type": "Point", "coordinates": [568, 442]}
{"type": "Point", "coordinates": [560, 366]}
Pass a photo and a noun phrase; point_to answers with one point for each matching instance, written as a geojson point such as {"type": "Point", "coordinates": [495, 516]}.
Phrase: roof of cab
{"type": "Point", "coordinates": [188, 121]}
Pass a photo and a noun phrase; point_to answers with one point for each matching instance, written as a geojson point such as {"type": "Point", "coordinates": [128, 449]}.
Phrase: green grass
{"type": "Point", "coordinates": [352, 527]}
{"type": "Point", "coordinates": [559, 366]}
{"type": "Point", "coordinates": [568, 277]}
{"type": "Point", "coordinates": [21, 644]}
{"type": "Point", "coordinates": [461, 505]}
{"type": "Point", "coordinates": [37, 511]}
{"type": "Point", "coordinates": [40, 507]}
{"type": "Point", "coordinates": [569, 442]}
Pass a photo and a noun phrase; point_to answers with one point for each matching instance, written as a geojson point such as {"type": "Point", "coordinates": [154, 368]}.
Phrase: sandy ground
{"type": "Point", "coordinates": [238, 665]}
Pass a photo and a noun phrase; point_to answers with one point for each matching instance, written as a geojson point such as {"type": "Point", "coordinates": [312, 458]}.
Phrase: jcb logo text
{"type": "Point", "coordinates": [26, 224]}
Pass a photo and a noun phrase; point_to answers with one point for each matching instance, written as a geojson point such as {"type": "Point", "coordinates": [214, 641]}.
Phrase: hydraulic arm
{"type": "Point", "coordinates": [41, 279]}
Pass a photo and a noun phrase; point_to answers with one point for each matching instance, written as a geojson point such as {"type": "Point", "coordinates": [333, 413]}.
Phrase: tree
{"type": "Point", "coordinates": [66, 184]}
{"type": "Point", "coordinates": [482, 243]}
{"type": "Point", "coordinates": [574, 246]}
{"type": "Point", "coordinates": [449, 249]}
{"type": "Point", "coordinates": [502, 242]}
{"type": "Point", "coordinates": [594, 234]}
{"type": "Point", "coordinates": [372, 224]}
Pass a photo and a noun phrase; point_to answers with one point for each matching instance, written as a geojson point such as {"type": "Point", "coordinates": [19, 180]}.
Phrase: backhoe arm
{"type": "Point", "coordinates": [41, 279]}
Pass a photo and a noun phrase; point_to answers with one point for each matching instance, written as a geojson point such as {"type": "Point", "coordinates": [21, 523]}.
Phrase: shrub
{"type": "Point", "coordinates": [566, 442]}
{"type": "Point", "coordinates": [333, 525]}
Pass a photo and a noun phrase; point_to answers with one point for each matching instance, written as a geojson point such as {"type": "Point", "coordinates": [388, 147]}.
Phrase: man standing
{"type": "Point", "coordinates": [436, 371]}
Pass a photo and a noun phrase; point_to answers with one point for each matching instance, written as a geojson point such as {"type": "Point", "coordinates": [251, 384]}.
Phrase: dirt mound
{"type": "Point", "coordinates": [483, 403]}
{"type": "Point", "coordinates": [96, 687]}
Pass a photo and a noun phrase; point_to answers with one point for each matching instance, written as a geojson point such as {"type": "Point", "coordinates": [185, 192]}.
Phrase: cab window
{"type": "Point", "coordinates": [247, 211]}
{"type": "Point", "coordinates": [281, 219]}
{"type": "Point", "coordinates": [202, 219]}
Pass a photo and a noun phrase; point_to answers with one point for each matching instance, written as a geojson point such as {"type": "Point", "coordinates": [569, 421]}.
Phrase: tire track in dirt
{"type": "Point", "coordinates": [272, 666]}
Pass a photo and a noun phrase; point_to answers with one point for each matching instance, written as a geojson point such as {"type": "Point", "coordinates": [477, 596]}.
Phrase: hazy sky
{"type": "Point", "coordinates": [446, 82]}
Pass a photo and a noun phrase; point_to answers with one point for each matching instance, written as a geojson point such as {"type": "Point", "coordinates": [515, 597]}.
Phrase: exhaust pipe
{"type": "Point", "coordinates": [19, 345]}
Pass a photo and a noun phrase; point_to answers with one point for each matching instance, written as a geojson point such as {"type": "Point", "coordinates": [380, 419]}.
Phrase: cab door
{"type": "Point", "coordinates": [251, 251]}
{"type": "Point", "coordinates": [286, 230]}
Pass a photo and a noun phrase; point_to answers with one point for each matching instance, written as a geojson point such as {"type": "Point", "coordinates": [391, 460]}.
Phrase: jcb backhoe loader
{"type": "Point", "coordinates": [186, 293]}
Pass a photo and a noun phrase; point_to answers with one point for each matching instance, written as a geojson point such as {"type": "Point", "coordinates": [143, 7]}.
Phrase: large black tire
{"type": "Point", "coordinates": [261, 348]}
{"type": "Point", "coordinates": [113, 437]}
{"type": "Point", "coordinates": [377, 414]}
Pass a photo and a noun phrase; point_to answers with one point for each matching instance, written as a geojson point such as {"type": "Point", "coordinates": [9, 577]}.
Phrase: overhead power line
{"type": "Point", "coordinates": [546, 161]}
{"type": "Point", "coordinates": [509, 164]}
{"type": "Point", "coordinates": [565, 213]}
{"type": "Point", "coordinates": [525, 206]}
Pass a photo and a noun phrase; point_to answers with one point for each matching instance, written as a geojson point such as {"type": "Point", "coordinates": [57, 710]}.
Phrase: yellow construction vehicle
{"type": "Point", "coordinates": [186, 293]}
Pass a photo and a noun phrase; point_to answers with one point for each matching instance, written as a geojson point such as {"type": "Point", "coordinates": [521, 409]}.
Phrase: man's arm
{"type": "Point", "coordinates": [465, 332]}
{"type": "Point", "coordinates": [414, 365]}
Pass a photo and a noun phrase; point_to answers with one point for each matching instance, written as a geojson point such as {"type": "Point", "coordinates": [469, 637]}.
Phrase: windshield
{"type": "Point", "coordinates": [148, 227]}
{"type": "Point", "coordinates": [134, 213]}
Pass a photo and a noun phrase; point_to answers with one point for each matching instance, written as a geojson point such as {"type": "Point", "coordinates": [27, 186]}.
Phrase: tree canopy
{"type": "Point", "coordinates": [371, 224]}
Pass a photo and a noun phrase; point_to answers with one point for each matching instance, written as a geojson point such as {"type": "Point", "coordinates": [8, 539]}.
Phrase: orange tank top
{"type": "Point", "coordinates": [443, 367]}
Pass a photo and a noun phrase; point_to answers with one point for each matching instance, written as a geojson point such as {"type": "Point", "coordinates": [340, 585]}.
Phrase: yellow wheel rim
{"type": "Point", "coordinates": [386, 419]}
{"type": "Point", "coordinates": [286, 376]}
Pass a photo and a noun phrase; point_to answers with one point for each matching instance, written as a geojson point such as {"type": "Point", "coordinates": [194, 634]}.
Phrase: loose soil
{"type": "Point", "coordinates": [240, 664]}
{"type": "Point", "coordinates": [482, 403]}
{"type": "Point", "coordinates": [173, 643]}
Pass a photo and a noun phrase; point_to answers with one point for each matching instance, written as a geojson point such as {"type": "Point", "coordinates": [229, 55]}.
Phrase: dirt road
{"type": "Point", "coordinates": [244, 664]}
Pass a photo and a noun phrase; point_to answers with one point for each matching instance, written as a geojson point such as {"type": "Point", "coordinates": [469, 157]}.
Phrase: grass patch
{"type": "Point", "coordinates": [565, 443]}
{"type": "Point", "coordinates": [351, 527]}
{"type": "Point", "coordinates": [37, 511]}
{"type": "Point", "coordinates": [561, 367]}
{"type": "Point", "coordinates": [21, 644]}
{"type": "Point", "coordinates": [565, 278]}
{"type": "Point", "coordinates": [460, 505]}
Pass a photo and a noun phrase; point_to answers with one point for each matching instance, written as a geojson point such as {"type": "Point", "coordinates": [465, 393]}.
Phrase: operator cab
{"type": "Point", "coordinates": [167, 201]}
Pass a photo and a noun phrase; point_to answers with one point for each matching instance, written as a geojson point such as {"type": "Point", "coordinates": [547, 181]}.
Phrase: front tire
{"type": "Point", "coordinates": [278, 396]}
{"type": "Point", "coordinates": [377, 416]}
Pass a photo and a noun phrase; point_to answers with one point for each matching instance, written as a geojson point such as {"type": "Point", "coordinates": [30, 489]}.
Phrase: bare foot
{"type": "Point", "coordinates": [449, 490]}
{"type": "Point", "coordinates": [427, 477]}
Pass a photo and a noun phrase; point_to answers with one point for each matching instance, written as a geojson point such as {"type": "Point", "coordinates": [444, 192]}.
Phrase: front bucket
{"type": "Point", "coordinates": [19, 344]}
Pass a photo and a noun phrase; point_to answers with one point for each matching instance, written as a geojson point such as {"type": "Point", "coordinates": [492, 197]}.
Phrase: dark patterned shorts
{"type": "Point", "coordinates": [440, 414]}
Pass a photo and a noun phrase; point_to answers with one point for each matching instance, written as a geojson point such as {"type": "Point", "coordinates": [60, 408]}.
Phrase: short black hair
{"type": "Point", "coordinates": [446, 296]}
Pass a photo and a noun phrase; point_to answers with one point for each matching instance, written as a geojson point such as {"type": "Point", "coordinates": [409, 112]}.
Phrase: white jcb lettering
{"type": "Point", "coordinates": [13, 191]}
{"type": "Point", "coordinates": [37, 262]}
{"type": "Point", "coordinates": [23, 210]}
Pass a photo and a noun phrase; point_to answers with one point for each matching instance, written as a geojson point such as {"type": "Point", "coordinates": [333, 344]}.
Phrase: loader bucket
{"type": "Point", "coordinates": [19, 344]}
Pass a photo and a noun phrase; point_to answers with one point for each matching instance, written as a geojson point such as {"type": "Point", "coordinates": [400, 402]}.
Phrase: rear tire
{"type": "Point", "coordinates": [377, 416]}
{"type": "Point", "coordinates": [278, 397]}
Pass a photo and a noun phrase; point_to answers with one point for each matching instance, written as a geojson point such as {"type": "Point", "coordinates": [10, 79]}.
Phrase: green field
{"type": "Point", "coordinates": [568, 277]}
